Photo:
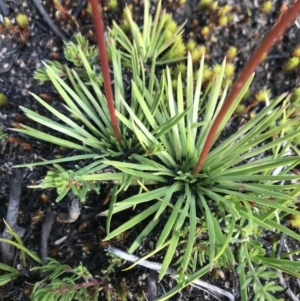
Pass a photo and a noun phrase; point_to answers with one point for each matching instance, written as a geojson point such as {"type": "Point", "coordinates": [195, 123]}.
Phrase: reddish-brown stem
{"type": "Point", "coordinates": [78, 286]}
{"type": "Point", "coordinates": [274, 35]}
{"type": "Point", "coordinates": [99, 29]}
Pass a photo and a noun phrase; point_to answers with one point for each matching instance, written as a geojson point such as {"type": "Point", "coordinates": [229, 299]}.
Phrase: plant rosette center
{"type": "Point", "coordinates": [188, 177]}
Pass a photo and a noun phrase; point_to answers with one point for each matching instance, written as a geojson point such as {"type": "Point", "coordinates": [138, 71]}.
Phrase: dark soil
{"type": "Point", "coordinates": [19, 58]}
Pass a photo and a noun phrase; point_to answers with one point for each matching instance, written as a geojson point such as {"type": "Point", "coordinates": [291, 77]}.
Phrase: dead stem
{"type": "Point", "coordinates": [7, 250]}
{"type": "Point", "coordinates": [47, 19]}
{"type": "Point", "coordinates": [199, 284]}
{"type": "Point", "coordinates": [48, 222]}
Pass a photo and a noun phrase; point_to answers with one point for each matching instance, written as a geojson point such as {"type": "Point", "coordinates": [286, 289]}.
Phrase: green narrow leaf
{"type": "Point", "coordinates": [190, 143]}
{"type": "Point", "coordinates": [134, 166]}
{"type": "Point", "coordinates": [239, 135]}
{"type": "Point", "coordinates": [271, 225]}
{"type": "Point", "coordinates": [258, 200]}
{"type": "Point", "coordinates": [183, 284]}
{"type": "Point", "coordinates": [167, 198]}
{"type": "Point", "coordinates": [148, 162]}
{"type": "Point", "coordinates": [137, 173]}
{"type": "Point", "coordinates": [146, 110]}
{"type": "Point", "coordinates": [147, 230]}
{"type": "Point", "coordinates": [171, 221]}
{"type": "Point", "coordinates": [132, 222]}
{"type": "Point", "coordinates": [52, 139]}
{"type": "Point", "coordinates": [260, 190]}
{"type": "Point", "coordinates": [212, 195]}
{"type": "Point", "coordinates": [7, 268]}
{"type": "Point", "coordinates": [48, 122]}
{"type": "Point", "coordinates": [246, 283]}
{"type": "Point", "coordinates": [225, 242]}
{"type": "Point", "coordinates": [100, 103]}
{"type": "Point", "coordinates": [189, 91]}
{"type": "Point", "coordinates": [90, 106]}
{"type": "Point", "coordinates": [169, 255]}
{"type": "Point", "coordinates": [150, 254]}
{"type": "Point", "coordinates": [4, 279]}
{"type": "Point", "coordinates": [163, 44]}
{"type": "Point", "coordinates": [141, 126]}
{"type": "Point", "coordinates": [211, 106]}
{"type": "Point", "coordinates": [184, 213]}
{"type": "Point", "coordinates": [157, 21]}
{"type": "Point", "coordinates": [197, 95]}
{"type": "Point", "coordinates": [69, 131]}
{"type": "Point", "coordinates": [112, 202]}
{"type": "Point", "coordinates": [226, 179]}
{"type": "Point", "coordinates": [171, 101]}
{"type": "Point", "coordinates": [262, 149]}
{"type": "Point", "coordinates": [22, 248]}
{"type": "Point", "coordinates": [147, 25]}
{"type": "Point", "coordinates": [55, 161]}
{"type": "Point", "coordinates": [167, 126]}
{"type": "Point", "coordinates": [181, 122]}
{"type": "Point", "coordinates": [95, 167]}
{"type": "Point", "coordinates": [232, 108]}
{"type": "Point", "coordinates": [279, 266]}
{"type": "Point", "coordinates": [118, 34]}
{"type": "Point", "coordinates": [191, 236]}
{"type": "Point", "coordinates": [126, 181]}
{"type": "Point", "coordinates": [211, 229]}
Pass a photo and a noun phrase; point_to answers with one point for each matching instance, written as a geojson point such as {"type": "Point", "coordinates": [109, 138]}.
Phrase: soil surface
{"type": "Point", "coordinates": [20, 55]}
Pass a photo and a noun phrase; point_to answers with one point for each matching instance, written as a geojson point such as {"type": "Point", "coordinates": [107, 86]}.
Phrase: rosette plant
{"type": "Point", "coordinates": [160, 38]}
{"type": "Point", "coordinates": [210, 201]}
{"type": "Point", "coordinates": [234, 180]}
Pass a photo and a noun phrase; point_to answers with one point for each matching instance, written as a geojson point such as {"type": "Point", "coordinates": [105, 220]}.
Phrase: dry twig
{"type": "Point", "coordinates": [48, 20]}
{"type": "Point", "coordinates": [199, 284]}
{"type": "Point", "coordinates": [7, 250]}
{"type": "Point", "coordinates": [48, 222]}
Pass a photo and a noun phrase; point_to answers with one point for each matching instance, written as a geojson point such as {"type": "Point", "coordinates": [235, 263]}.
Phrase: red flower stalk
{"type": "Point", "coordinates": [269, 40]}
{"type": "Point", "coordinates": [99, 29]}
